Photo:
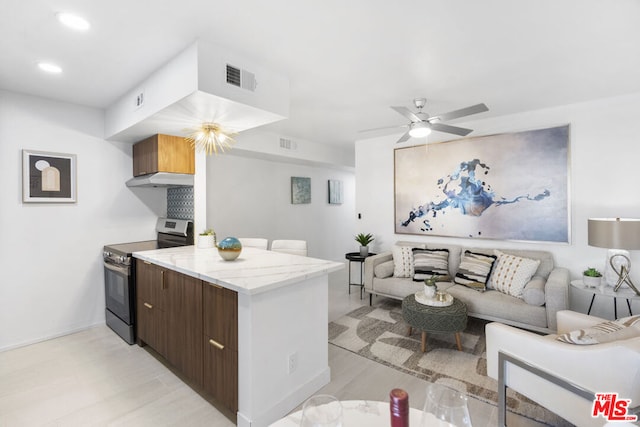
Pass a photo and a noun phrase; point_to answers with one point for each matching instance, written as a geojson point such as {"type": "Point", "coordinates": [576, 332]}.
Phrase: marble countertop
{"type": "Point", "coordinates": [253, 272]}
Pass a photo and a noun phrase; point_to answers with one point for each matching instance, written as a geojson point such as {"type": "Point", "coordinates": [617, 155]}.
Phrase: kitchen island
{"type": "Point", "coordinates": [282, 322]}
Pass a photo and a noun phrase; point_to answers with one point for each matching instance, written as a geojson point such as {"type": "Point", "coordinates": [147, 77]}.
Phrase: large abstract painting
{"type": "Point", "coordinates": [509, 187]}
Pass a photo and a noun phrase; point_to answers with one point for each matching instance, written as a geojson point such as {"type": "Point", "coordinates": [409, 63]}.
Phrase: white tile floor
{"type": "Point", "coordinates": [93, 378]}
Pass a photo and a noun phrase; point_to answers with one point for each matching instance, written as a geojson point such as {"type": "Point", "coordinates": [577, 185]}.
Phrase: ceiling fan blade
{"type": "Point", "coordinates": [474, 109]}
{"type": "Point", "coordinates": [383, 128]}
{"type": "Point", "coordinates": [407, 113]}
{"type": "Point", "coordinates": [404, 138]}
{"type": "Point", "coordinates": [441, 127]}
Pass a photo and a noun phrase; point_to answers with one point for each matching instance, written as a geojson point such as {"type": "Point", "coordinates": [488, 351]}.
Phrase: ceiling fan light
{"type": "Point", "coordinates": [73, 21]}
{"type": "Point", "coordinates": [419, 130]}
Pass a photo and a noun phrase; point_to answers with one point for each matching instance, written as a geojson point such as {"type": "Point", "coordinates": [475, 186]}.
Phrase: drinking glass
{"type": "Point", "coordinates": [445, 405]}
{"type": "Point", "coordinates": [322, 410]}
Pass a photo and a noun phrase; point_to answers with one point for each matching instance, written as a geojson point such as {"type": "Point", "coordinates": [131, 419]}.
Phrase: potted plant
{"type": "Point", "coordinates": [430, 286]}
{"type": "Point", "coordinates": [364, 240]}
{"type": "Point", "coordinates": [591, 277]}
{"type": "Point", "coordinates": [207, 239]}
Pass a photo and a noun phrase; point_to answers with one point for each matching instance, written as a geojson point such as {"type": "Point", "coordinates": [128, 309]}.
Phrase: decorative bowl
{"type": "Point", "coordinates": [229, 248]}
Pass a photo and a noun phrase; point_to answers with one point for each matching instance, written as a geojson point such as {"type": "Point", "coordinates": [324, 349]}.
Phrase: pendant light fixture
{"type": "Point", "coordinates": [210, 137]}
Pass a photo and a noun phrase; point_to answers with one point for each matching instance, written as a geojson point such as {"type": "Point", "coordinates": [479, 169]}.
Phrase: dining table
{"type": "Point", "coordinates": [368, 413]}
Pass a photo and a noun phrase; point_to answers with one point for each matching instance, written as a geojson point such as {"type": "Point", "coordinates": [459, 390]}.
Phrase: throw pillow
{"type": "Point", "coordinates": [429, 262]}
{"type": "Point", "coordinates": [533, 293]}
{"type": "Point", "coordinates": [474, 270]}
{"type": "Point", "coordinates": [621, 329]}
{"type": "Point", "coordinates": [512, 273]}
{"type": "Point", "coordinates": [402, 261]}
{"type": "Point", "coordinates": [384, 269]}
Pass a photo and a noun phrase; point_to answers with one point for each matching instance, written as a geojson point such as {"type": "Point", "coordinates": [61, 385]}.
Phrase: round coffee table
{"type": "Point", "coordinates": [451, 319]}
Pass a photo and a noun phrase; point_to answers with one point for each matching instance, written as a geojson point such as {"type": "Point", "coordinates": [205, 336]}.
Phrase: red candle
{"type": "Point", "coordinates": [399, 408]}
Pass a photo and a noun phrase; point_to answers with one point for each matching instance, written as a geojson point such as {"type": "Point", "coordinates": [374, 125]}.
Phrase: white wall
{"type": "Point", "coordinates": [251, 197]}
{"type": "Point", "coordinates": [51, 254]}
{"type": "Point", "coordinates": [604, 175]}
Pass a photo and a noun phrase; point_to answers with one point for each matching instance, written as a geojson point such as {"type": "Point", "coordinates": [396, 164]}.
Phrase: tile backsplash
{"type": "Point", "coordinates": [180, 203]}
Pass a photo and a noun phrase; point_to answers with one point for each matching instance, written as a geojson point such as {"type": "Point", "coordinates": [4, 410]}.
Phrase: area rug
{"type": "Point", "coordinates": [380, 334]}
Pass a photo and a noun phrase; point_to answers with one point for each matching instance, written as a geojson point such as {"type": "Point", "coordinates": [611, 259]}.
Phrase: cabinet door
{"type": "Point", "coordinates": [145, 156]}
{"type": "Point", "coordinates": [150, 298]}
{"type": "Point", "coordinates": [220, 315]}
{"type": "Point", "coordinates": [183, 323]}
{"type": "Point", "coordinates": [220, 312]}
{"type": "Point", "coordinates": [221, 375]}
{"type": "Point", "coordinates": [175, 154]}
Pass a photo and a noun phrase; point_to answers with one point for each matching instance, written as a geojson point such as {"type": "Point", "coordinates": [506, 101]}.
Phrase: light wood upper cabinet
{"type": "Point", "coordinates": [163, 153]}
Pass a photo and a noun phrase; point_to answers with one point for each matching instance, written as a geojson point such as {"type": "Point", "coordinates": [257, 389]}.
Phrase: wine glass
{"type": "Point", "coordinates": [322, 410]}
{"type": "Point", "coordinates": [446, 406]}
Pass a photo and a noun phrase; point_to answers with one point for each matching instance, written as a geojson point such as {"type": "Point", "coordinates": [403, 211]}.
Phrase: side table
{"type": "Point", "coordinates": [356, 257]}
{"type": "Point", "coordinates": [607, 291]}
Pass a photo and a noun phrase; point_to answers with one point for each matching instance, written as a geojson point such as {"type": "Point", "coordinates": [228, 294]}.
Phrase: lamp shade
{"type": "Point", "coordinates": [614, 233]}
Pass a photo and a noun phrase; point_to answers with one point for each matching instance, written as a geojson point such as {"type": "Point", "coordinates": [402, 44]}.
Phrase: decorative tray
{"type": "Point", "coordinates": [433, 302]}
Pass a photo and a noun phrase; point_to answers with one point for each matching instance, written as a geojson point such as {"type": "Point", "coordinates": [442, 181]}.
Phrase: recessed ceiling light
{"type": "Point", "coordinates": [73, 21]}
{"type": "Point", "coordinates": [49, 68]}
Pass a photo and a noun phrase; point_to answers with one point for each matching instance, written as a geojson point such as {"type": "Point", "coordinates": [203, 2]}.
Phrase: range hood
{"type": "Point", "coordinates": [203, 83]}
{"type": "Point", "coordinates": [162, 179]}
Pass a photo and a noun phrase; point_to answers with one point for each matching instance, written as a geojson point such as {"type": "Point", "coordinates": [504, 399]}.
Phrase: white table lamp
{"type": "Point", "coordinates": [619, 235]}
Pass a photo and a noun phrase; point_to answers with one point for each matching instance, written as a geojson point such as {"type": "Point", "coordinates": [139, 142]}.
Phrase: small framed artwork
{"type": "Point", "coordinates": [335, 192]}
{"type": "Point", "coordinates": [48, 177]}
{"type": "Point", "coordinates": [300, 190]}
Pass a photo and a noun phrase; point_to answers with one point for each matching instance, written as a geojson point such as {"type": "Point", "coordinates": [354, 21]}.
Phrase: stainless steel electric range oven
{"type": "Point", "coordinates": [120, 273]}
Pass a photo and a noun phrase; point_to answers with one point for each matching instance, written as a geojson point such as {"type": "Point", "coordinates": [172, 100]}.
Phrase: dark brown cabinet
{"type": "Point", "coordinates": [163, 153]}
{"type": "Point", "coordinates": [183, 324]}
{"type": "Point", "coordinates": [193, 325]}
{"type": "Point", "coordinates": [220, 311]}
{"type": "Point", "coordinates": [150, 290]}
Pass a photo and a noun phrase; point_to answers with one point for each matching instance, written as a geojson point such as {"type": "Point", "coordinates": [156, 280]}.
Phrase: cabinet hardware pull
{"type": "Point", "coordinates": [146, 304]}
{"type": "Point", "coordinates": [162, 278]}
{"type": "Point", "coordinates": [215, 286]}
{"type": "Point", "coordinates": [147, 262]}
{"type": "Point", "coordinates": [216, 344]}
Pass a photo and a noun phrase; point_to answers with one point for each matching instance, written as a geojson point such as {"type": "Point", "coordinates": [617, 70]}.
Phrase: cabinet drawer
{"type": "Point", "coordinates": [220, 310]}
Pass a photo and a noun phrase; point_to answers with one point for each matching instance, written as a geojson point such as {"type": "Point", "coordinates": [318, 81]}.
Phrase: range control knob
{"type": "Point", "coordinates": [106, 254]}
{"type": "Point", "coordinates": [123, 259]}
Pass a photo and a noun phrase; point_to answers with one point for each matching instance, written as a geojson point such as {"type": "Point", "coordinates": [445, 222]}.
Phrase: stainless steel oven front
{"type": "Point", "coordinates": [119, 281]}
{"type": "Point", "coordinates": [120, 273]}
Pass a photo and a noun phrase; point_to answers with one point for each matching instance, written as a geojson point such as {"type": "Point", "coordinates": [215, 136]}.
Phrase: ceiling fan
{"type": "Point", "coordinates": [422, 124]}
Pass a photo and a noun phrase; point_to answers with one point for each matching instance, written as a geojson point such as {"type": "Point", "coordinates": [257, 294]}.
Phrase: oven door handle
{"type": "Point", "coordinates": [117, 269]}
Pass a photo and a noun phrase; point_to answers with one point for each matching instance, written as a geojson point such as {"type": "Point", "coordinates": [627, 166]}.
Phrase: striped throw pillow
{"type": "Point", "coordinates": [430, 262]}
{"type": "Point", "coordinates": [474, 270]}
{"type": "Point", "coordinates": [621, 329]}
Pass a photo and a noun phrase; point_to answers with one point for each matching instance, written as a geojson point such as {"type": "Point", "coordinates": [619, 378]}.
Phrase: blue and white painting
{"type": "Point", "coordinates": [508, 187]}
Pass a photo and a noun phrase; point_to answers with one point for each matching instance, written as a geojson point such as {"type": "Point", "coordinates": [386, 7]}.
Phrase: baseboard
{"type": "Point", "coordinates": [51, 336]}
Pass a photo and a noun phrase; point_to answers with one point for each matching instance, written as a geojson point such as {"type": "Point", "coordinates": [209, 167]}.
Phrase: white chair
{"type": "Point", "coordinates": [559, 376]}
{"type": "Point", "coordinates": [251, 242]}
{"type": "Point", "coordinates": [294, 247]}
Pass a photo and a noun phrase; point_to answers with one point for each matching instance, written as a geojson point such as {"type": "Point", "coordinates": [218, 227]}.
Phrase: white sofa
{"type": "Point", "coordinates": [550, 288]}
{"type": "Point", "coordinates": [598, 368]}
